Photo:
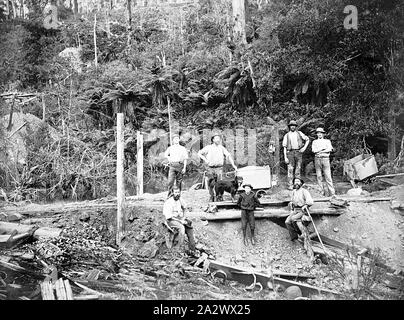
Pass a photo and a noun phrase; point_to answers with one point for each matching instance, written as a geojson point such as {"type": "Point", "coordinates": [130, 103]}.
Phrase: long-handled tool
{"type": "Point", "coordinates": [315, 229]}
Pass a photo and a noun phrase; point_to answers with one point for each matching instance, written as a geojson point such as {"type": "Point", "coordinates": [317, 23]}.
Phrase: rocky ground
{"type": "Point", "coordinates": [145, 268]}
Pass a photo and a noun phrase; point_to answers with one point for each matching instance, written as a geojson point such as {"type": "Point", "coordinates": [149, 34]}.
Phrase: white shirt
{"type": "Point", "coordinates": [302, 197]}
{"type": "Point", "coordinates": [320, 144]}
{"type": "Point", "coordinates": [176, 153]}
{"type": "Point", "coordinates": [215, 154]}
{"type": "Point", "coordinates": [174, 209]}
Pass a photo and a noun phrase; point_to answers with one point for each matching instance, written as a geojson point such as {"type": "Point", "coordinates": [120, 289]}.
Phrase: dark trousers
{"type": "Point", "coordinates": [175, 176]}
{"type": "Point", "coordinates": [213, 173]}
{"type": "Point", "coordinates": [247, 216]}
{"type": "Point", "coordinates": [294, 166]}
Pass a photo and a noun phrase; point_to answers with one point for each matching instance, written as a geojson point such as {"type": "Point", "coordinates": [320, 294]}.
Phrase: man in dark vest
{"type": "Point", "coordinates": [294, 144]}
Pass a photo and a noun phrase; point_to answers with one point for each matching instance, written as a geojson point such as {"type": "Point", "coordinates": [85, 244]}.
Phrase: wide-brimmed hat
{"type": "Point", "coordinates": [292, 123]}
{"type": "Point", "coordinates": [301, 180]}
{"type": "Point", "coordinates": [175, 135]}
{"type": "Point", "coordinates": [215, 135]}
{"type": "Point", "coordinates": [320, 130]}
{"type": "Point", "coordinates": [248, 185]}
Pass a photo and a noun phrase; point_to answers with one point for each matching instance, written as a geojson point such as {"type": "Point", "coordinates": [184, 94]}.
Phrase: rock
{"type": "Point", "coordinates": [200, 247]}
{"type": "Point", "coordinates": [354, 192]}
{"type": "Point", "coordinates": [14, 217]}
{"type": "Point", "coordinates": [293, 292]}
{"type": "Point", "coordinates": [365, 193]}
{"type": "Point", "coordinates": [336, 229]}
{"type": "Point", "coordinates": [395, 205]}
{"type": "Point", "coordinates": [299, 266]}
{"type": "Point", "coordinates": [84, 217]}
{"type": "Point", "coordinates": [149, 250]}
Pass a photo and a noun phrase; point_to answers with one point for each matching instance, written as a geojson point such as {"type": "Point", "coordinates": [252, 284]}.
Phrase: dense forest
{"type": "Point", "coordinates": [298, 61]}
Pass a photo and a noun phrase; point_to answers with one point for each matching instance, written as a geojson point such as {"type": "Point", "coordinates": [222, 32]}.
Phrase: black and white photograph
{"type": "Point", "coordinates": [201, 158]}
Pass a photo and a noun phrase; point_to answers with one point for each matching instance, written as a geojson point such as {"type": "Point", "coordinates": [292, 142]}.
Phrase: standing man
{"type": "Point", "coordinates": [213, 155]}
{"type": "Point", "coordinates": [177, 157]}
{"type": "Point", "coordinates": [294, 145]}
{"type": "Point", "coordinates": [321, 148]}
{"type": "Point", "coordinates": [300, 202]}
{"type": "Point", "coordinates": [174, 212]}
{"type": "Point", "coordinates": [248, 202]}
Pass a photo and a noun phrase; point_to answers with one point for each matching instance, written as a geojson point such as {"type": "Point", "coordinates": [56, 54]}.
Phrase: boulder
{"type": "Point", "coordinates": [149, 250]}
{"type": "Point", "coordinates": [293, 292]}
{"type": "Point", "coordinates": [355, 192]}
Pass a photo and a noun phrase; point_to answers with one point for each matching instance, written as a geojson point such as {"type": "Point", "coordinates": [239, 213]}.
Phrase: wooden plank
{"type": "Point", "coordinates": [281, 203]}
{"type": "Point", "coordinates": [69, 291]}
{"type": "Point", "coordinates": [246, 277]}
{"type": "Point", "coordinates": [391, 175]}
{"type": "Point", "coordinates": [40, 233]}
{"type": "Point", "coordinates": [279, 213]}
{"type": "Point", "coordinates": [47, 290]}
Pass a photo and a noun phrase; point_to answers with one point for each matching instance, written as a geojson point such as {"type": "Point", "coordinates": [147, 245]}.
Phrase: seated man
{"type": "Point", "coordinates": [301, 201]}
{"type": "Point", "coordinates": [174, 210]}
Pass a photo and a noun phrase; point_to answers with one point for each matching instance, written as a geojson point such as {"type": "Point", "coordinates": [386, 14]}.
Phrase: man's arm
{"type": "Point", "coordinates": [314, 147]}
{"type": "Point", "coordinates": [240, 198]}
{"type": "Point", "coordinates": [307, 198]}
{"type": "Point", "coordinates": [185, 160]}
{"type": "Point", "coordinates": [284, 144]}
{"type": "Point", "coordinates": [201, 154]}
{"type": "Point", "coordinates": [257, 201]}
{"type": "Point", "coordinates": [228, 155]}
{"type": "Point", "coordinates": [306, 138]}
{"type": "Point", "coordinates": [329, 147]}
{"type": "Point", "coordinates": [167, 154]}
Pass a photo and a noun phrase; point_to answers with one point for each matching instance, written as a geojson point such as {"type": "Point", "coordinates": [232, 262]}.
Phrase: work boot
{"type": "Point", "coordinates": [245, 241]}
{"type": "Point", "coordinates": [253, 239]}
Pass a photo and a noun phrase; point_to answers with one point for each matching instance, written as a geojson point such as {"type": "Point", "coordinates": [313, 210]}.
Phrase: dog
{"type": "Point", "coordinates": [221, 186]}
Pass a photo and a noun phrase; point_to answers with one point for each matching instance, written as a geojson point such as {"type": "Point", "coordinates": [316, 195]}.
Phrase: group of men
{"type": "Point", "coordinates": [294, 145]}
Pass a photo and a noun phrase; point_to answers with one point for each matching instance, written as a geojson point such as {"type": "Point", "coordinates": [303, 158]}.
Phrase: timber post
{"type": "Point", "coordinates": [139, 185]}
{"type": "Point", "coordinates": [120, 183]}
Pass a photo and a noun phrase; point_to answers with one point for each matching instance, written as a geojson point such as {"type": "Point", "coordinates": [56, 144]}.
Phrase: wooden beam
{"type": "Point", "coordinates": [120, 183]}
{"type": "Point", "coordinates": [278, 213]}
{"type": "Point", "coordinates": [391, 175]}
{"type": "Point", "coordinates": [281, 203]}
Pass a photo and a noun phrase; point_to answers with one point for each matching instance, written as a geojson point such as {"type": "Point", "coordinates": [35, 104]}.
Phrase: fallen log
{"type": "Point", "coordinates": [248, 277]}
{"type": "Point", "coordinates": [40, 233]}
{"type": "Point", "coordinates": [282, 203]}
{"type": "Point", "coordinates": [266, 214]}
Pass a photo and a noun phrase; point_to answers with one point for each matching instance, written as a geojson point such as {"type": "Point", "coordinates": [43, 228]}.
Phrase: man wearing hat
{"type": "Point", "coordinates": [321, 148]}
{"type": "Point", "coordinates": [301, 200]}
{"type": "Point", "coordinates": [294, 144]}
{"type": "Point", "coordinates": [247, 202]}
{"type": "Point", "coordinates": [177, 157]}
{"type": "Point", "coordinates": [213, 155]}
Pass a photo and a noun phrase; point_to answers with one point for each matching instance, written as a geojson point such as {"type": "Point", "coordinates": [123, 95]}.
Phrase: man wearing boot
{"type": "Point", "coordinates": [247, 202]}
{"type": "Point", "coordinates": [321, 148]}
{"type": "Point", "coordinates": [213, 155]}
{"type": "Point", "coordinates": [174, 212]}
{"type": "Point", "coordinates": [177, 157]}
{"type": "Point", "coordinates": [294, 145]}
{"type": "Point", "coordinates": [300, 202]}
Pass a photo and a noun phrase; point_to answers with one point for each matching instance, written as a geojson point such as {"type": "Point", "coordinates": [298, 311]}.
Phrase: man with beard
{"type": "Point", "coordinates": [294, 145]}
{"type": "Point", "coordinates": [214, 155]}
{"type": "Point", "coordinates": [177, 157]}
{"type": "Point", "coordinates": [174, 212]}
{"type": "Point", "coordinates": [300, 202]}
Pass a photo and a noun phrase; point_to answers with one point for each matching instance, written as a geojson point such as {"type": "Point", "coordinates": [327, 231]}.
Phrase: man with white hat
{"type": "Point", "coordinates": [294, 145]}
{"type": "Point", "coordinates": [321, 148]}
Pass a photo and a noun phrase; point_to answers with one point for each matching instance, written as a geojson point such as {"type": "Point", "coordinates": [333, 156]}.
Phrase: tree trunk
{"type": "Point", "coordinates": [239, 13]}
{"type": "Point", "coordinates": [75, 7]}
{"type": "Point", "coordinates": [392, 150]}
{"type": "Point", "coordinates": [95, 41]}
{"type": "Point", "coordinates": [129, 27]}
